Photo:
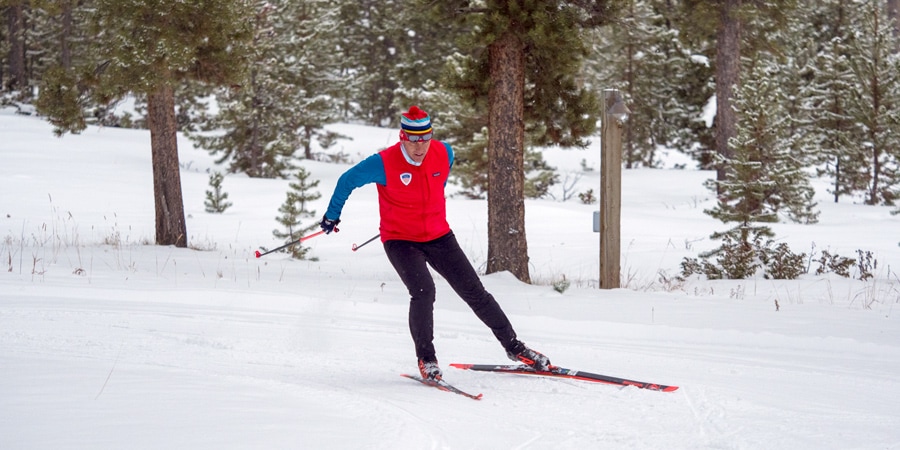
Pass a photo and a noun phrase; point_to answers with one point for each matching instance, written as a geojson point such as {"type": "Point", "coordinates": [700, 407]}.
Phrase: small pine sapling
{"type": "Point", "coordinates": [216, 198]}
{"type": "Point", "coordinates": [294, 210]}
{"type": "Point", "coordinates": [561, 285]}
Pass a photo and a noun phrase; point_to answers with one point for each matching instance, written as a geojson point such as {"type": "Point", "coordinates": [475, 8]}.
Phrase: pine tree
{"type": "Point", "coordinates": [287, 98]}
{"type": "Point", "coordinates": [148, 47]}
{"type": "Point", "coordinates": [524, 57]}
{"type": "Point", "coordinates": [664, 87]}
{"type": "Point", "coordinates": [762, 176]}
{"type": "Point", "coordinates": [250, 131]}
{"type": "Point", "coordinates": [424, 49]}
{"type": "Point", "coordinates": [740, 28]}
{"type": "Point", "coordinates": [769, 130]}
{"type": "Point", "coordinates": [14, 79]}
{"type": "Point", "coordinates": [778, 109]}
{"type": "Point", "coordinates": [389, 50]}
{"type": "Point", "coordinates": [794, 53]}
{"type": "Point", "coordinates": [295, 209]}
{"type": "Point", "coordinates": [367, 49]}
{"type": "Point", "coordinates": [311, 67]}
{"type": "Point", "coordinates": [832, 130]}
{"type": "Point", "coordinates": [875, 64]}
{"type": "Point", "coordinates": [216, 199]}
{"type": "Point", "coordinates": [57, 33]}
{"type": "Point", "coordinates": [63, 56]}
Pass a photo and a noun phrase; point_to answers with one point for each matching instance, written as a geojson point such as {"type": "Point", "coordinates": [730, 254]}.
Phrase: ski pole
{"type": "Point", "coordinates": [357, 247]}
{"type": "Point", "coordinates": [258, 254]}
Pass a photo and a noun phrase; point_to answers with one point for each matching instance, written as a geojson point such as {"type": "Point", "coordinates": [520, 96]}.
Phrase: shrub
{"type": "Point", "coordinates": [736, 259]}
{"type": "Point", "coordinates": [783, 264]}
{"type": "Point", "coordinates": [587, 197]}
{"type": "Point", "coordinates": [216, 198]}
{"type": "Point", "coordinates": [834, 263]}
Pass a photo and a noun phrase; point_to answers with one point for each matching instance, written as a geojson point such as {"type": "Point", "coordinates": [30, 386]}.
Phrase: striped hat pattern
{"type": "Point", "coordinates": [415, 121]}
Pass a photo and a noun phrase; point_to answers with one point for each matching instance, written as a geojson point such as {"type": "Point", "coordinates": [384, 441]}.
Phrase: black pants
{"type": "Point", "coordinates": [411, 260]}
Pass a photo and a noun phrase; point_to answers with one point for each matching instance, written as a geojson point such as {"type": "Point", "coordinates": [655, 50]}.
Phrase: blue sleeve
{"type": "Point", "coordinates": [369, 170]}
{"type": "Point", "coordinates": [450, 157]}
{"type": "Point", "coordinates": [449, 152]}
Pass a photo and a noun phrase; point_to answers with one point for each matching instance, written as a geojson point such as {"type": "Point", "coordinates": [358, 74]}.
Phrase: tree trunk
{"type": "Point", "coordinates": [631, 157]}
{"type": "Point", "coordinates": [255, 149]}
{"type": "Point", "coordinates": [507, 246]}
{"type": "Point", "coordinates": [728, 70]}
{"type": "Point", "coordinates": [893, 12]}
{"type": "Point", "coordinates": [65, 36]}
{"type": "Point", "coordinates": [307, 141]}
{"type": "Point", "coordinates": [15, 22]}
{"type": "Point", "coordinates": [170, 224]}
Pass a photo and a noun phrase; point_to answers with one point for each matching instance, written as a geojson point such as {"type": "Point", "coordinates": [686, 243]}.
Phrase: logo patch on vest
{"type": "Point", "coordinates": [406, 177]}
{"type": "Point", "coordinates": [436, 174]}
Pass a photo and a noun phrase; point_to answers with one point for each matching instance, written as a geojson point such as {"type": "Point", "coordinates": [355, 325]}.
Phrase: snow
{"type": "Point", "coordinates": [108, 342]}
{"type": "Point", "coordinates": [708, 115]}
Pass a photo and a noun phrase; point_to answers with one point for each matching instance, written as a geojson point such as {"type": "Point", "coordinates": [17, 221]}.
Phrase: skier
{"type": "Point", "coordinates": [410, 176]}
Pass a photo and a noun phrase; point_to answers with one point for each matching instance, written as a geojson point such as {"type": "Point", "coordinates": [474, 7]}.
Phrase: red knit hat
{"type": "Point", "coordinates": [415, 121]}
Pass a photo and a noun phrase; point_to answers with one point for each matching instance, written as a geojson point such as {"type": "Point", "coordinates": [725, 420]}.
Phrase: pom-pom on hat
{"type": "Point", "coordinates": [415, 121]}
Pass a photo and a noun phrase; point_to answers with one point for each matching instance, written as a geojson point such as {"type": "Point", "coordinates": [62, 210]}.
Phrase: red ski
{"type": "Point", "coordinates": [559, 372]}
{"type": "Point", "coordinates": [442, 385]}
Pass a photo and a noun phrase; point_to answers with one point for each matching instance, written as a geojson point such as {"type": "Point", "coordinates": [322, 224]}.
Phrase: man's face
{"type": "Point", "coordinates": [417, 150]}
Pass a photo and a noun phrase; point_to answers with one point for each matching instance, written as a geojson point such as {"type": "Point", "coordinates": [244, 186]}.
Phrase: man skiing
{"type": "Point", "coordinates": [410, 176]}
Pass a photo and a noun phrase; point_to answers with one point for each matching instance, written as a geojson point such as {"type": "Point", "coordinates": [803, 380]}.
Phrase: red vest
{"type": "Point", "coordinates": [412, 203]}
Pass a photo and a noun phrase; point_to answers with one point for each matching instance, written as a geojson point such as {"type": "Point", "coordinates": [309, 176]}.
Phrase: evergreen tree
{"type": "Point", "coordinates": [389, 50]}
{"type": "Point", "coordinates": [150, 46]}
{"type": "Point", "coordinates": [832, 130]}
{"type": "Point", "coordinates": [14, 78]}
{"type": "Point", "coordinates": [762, 177]}
{"type": "Point", "coordinates": [768, 133]}
{"type": "Point", "coordinates": [790, 64]}
{"type": "Point", "coordinates": [56, 34]}
{"type": "Point", "coordinates": [425, 48]}
{"type": "Point", "coordinates": [311, 67]}
{"type": "Point", "coordinates": [664, 86]}
{"type": "Point", "coordinates": [287, 98]}
{"type": "Point", "coordinates": [876, 66]}
{"type": "Point", "coordinates": [524, 58]}
{"type": "Point", "coordinates": [63, 56]}
{"type": "Point", "coordinates": [295, 209]}
{"type": "Point", "coordinates": [4, 58]}
{"type": "Point", "coordinates": [370, 35]}
{"type": "Point", "coordinates": [216, 199]}
{"type": "Point", "coordinates": [739, 28]}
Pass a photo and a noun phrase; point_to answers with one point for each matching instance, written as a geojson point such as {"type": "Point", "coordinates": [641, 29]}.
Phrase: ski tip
{"type": "Point", "coordinates": [258, 254]}
{"type": "Point", "coordinates": [443, 385]}
{"type": "Point", "coordinates": [670, 389]}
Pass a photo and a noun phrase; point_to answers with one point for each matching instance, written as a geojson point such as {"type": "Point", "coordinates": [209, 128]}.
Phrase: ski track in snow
{"type": "Point", "coordinates": [301, 370]}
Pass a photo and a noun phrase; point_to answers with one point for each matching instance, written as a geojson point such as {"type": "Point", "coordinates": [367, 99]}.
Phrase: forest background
{"type": "Point", "coordinates": [768, 93]}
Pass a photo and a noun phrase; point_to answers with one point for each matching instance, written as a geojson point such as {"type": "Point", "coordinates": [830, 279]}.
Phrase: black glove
{"type": "Point", "coordinates": [329, 225]}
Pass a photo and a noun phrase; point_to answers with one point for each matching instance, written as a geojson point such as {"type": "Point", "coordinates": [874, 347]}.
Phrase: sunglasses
{"type": "Point", "coordinates": [419, 137]}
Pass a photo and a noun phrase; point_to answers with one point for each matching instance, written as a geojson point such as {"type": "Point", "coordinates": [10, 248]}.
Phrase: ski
{"type": "Point", "coordinates": [442, 385]}
{"type": "Point", "coordinates": [559, 372]}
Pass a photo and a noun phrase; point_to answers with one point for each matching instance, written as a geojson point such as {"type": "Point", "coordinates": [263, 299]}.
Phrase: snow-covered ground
{"type": "Point", "coordinates": [108, 342]}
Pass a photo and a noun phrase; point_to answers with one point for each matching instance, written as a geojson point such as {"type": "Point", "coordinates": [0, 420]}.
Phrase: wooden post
{"type": "Point", "coordinates": [614, 114]}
